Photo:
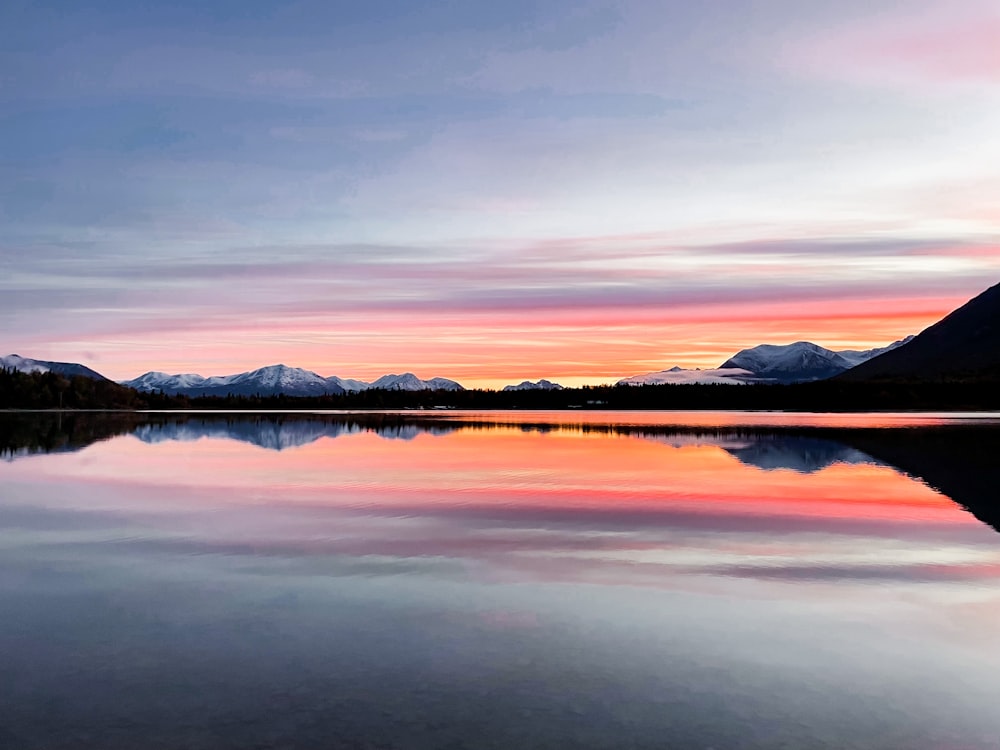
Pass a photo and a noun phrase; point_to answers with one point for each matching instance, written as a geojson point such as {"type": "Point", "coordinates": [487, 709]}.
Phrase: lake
{"type": "Point", "coordinates": [500, 580]}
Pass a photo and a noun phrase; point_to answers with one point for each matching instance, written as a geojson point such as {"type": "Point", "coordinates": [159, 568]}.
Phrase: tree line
{"type": "Point", "coordinates": [49, 390]}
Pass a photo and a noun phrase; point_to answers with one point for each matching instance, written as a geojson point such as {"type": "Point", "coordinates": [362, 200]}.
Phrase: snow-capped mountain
{"type": "Point", "coordinates": [856, 357]}
{"type": "Point", "coordinates": [538, 385]}
{"type": "Point", "coordinates": [348, 384]}
{"type": "Point", "coordinates": [279, 379]}
{"type": "Point", "coordinates": [69, 369]}
{"type": "Point", "coordinates": [410, 382]}
{"type": "Point", "coordinates": [265, 381]}
{"type": "Point", "coordinates": [161, 381]}
{"type": "Point", "coordinates": [769, 363]}
{"type": "Point", "coordinates": [802, 361]}
{"type": "Point", "coordinates": [680, 376]}
{"type": "Point", "coordinates": [443, 384]}
{"type": "Point", "coordinates": [291, 381]}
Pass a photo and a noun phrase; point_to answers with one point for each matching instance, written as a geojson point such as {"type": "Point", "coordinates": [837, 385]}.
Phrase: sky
{"type": "Point", "coordinates": [490, 192]}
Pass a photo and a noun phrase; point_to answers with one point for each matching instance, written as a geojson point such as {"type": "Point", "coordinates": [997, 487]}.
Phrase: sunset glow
{"type": "Point", "coordinates": [573, 191]}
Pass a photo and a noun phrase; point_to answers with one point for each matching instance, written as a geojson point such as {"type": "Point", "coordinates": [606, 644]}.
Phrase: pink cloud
{"type": "Point", "coordinates": [575, 309]}
{"type": "Point", "coordinates": [947, 44]}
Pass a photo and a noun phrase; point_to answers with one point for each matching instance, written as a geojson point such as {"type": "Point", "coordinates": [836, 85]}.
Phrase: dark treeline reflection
{"type": "Point", "coordinates": [25, 433]}
{"type": "Point", "coordinates": [957, 460]}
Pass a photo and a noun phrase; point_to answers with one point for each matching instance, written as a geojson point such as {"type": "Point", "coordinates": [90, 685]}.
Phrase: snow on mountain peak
{"type": "Point", "coordinates": [410, 382]}
{"type": "Point", "coordinates": [405, 382]}
{"type": "Point", "coordinates": [274, 376]}
{"type": "Point", "coordinates": [802, 360]}
{"type": "Point", "coordinates": [279, 379]}
{"type": "Point", "coordinates": [778, 363]}
{"type": "Point", "coordinates": [539, 385]}
{"type": "Point", "coordinates": [22, 364]}
{"type": "Point", "coordinates": [680, 376]}
{"type": "Point", "coordinates": [348, 384]}
{"type": "Point", "coordinates": [443, 384]}
{"type": "Point", "coordinates": [856, 357]}
{"type": "Point", "coordinates": [157, 381]}
{"type": "Point", "coordinates": [67, 369]}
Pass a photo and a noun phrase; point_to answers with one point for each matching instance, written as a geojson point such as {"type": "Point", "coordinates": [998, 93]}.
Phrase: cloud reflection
{"type": "Point", "coordinates": [597, 503]}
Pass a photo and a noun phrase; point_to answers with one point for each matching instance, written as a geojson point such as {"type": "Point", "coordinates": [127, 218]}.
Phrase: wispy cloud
{"type": "Point", "coordinates": [599, 309]}
{"type": "Point", "coordinates": [624, 186]}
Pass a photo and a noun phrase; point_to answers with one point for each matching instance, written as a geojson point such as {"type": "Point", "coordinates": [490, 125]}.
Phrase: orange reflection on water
{"type": "Point", "coordinates": [515, 468]}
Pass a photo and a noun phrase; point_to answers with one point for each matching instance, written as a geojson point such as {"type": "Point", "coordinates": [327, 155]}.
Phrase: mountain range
{"type": "Point", "coordinates": [280, 379]}
{"type": "Point", "coordinates": [766, 363]}
{"type": "Point", "coordinates": [964, 345]}
{"type": "Point", "coordinates": [803, 360]}
{"type": "Point", "coordinates": [770, 363]}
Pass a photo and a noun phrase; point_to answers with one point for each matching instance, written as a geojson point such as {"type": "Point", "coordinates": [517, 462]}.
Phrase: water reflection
{"type": "Point", "coordinates": [953, 457]}
{"type": "Point", "coordinates": [802, 454]}
{"type": "Point", "coordinates": [314, 581]}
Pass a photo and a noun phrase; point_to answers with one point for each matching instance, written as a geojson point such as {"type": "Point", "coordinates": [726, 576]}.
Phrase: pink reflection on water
{"type": "Point", "coordinates": [501, 467]}
{"type": "Point", "coordinates": [559, 503]}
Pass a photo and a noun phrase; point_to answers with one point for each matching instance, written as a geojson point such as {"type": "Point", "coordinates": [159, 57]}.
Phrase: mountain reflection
{"type": "Point", "coordinates": [264, 433]}
{"type": "Point", "coordinates": [957, 460]}
{"type": "Point", "coordinates": [805, 455]}
{"type": "Point", "coordinates": [25, 434]}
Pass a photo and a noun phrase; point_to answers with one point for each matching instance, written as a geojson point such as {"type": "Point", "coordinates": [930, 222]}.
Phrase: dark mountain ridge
{"type": "Point", "coordinates": [964, 345]}
{"type": "Point", "coordinates": [67, 369]}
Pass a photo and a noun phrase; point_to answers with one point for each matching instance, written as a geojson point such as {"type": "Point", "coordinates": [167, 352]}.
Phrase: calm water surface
{"type": "Point", "coordinates": [496, 580]}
